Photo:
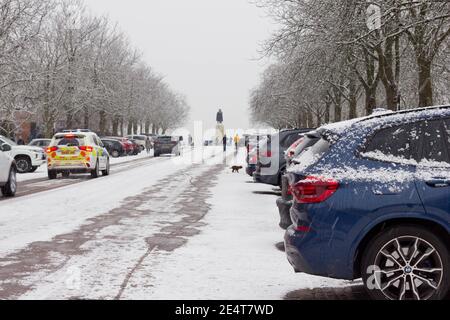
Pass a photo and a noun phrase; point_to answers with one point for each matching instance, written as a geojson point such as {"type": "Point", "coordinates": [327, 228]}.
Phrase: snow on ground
{"type": "Point", "coordinates": [41, 172]}
{"type": "Point", "coordinates": [230, 253]}
{"type": "Point", "coordinates": [233, 258]}
{"type": "Point", "coordinates": [42, 216]}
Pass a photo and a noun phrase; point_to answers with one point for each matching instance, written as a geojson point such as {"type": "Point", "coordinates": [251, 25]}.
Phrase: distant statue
{"type": "Point", "coordinates": [219, 117]}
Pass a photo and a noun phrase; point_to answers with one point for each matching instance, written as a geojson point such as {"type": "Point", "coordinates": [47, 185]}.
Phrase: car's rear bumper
{"type": "Point", "coordinates": [165, 151]}
{"type": "Point", "coordinates": [302, 252]}
{"type": "Point", "coordinates": [72, 170]}
{"type": "Point", "coordinates": [80, 167]}
{"type": "Point", "coordinates": [284, 208]}
{"type": "Point", "coordinates": [273, 180]}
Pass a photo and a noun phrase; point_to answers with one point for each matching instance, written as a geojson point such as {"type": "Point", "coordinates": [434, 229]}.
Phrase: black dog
{"type": "Point", "coordinates": [236, 168]}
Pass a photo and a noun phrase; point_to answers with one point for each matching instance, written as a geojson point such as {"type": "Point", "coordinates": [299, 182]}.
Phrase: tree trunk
{"type": "Point", "coordinates": [115, 126]}
{"type": "Point", "coordinates": [425, 83]}
{"type": "Point", "coordinates": [86, 118]}
{"type": "Point", "coordinates": [353, 101]}
{"type": "Point", "coordinates": [371, 101]}
{"type": "Point", "coordinates": [122, 127]}
{"type": "Point", "coordinates": [147, 127]}
{"type": "Point", "coordinates": [327, 112]}
{"type": "Point", "coordinates": [310, 120]}
{"type": "Point", "coordinates": [130, 127]}
{"type": "Point", "coordinates": [102, 123]}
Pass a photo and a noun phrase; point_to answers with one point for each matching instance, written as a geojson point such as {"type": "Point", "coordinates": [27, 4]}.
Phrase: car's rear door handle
{"type": "Point", "coordinates": [438, 183]}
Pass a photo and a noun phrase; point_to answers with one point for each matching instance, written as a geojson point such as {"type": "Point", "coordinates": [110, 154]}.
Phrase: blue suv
{"type": "Point", "coordinates": [372, 201]}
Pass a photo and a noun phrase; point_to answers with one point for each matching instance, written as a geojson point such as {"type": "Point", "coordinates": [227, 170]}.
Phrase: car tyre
{"type": "Point", "coordinates": [96, 172]}
{"type": "Point", "coordinates": [10, 189]}
{"type": "Point", "coordinates": [52, 175]}
{"type": "Point", "coordinates": [156, 154]}
{"type": "Point", "coordinates": [23, 164]}
{"type": "Point", "coordinates": [107, 171]}
{"type": "Point", "coordinates": [115, 154]}
{"type": "Point", "coordinates": [406, 262]}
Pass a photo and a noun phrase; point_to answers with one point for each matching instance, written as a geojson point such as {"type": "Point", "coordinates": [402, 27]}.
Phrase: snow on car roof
{"type": "Point", "coordinates": [388, 116]}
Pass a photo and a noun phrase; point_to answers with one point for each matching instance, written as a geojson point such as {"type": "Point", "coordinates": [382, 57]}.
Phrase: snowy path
{"type": "Point", "coordinates": [157, 230]}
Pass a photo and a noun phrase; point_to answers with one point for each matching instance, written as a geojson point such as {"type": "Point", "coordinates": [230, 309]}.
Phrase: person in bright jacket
{"type": "Point", "coordinates": [237, 139]}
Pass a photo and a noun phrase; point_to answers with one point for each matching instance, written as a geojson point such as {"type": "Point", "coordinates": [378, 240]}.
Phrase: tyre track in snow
{"type": "Point", "coordinates": [40, 270]}
{"type": "Point", "coordinates": [35, 186]}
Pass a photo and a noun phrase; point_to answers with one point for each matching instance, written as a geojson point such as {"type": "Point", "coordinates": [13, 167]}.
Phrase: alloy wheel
{"type": "Point", "coordinates": [22, 166]}
{"type": "Point", "coordinates": [408, 268]}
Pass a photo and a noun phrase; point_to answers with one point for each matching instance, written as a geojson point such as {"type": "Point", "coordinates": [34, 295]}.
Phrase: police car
{"type": "Point", "coordinates": [77, 152]}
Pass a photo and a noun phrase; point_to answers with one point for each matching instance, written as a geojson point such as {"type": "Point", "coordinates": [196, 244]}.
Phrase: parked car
{"type": "Point", "coordinates": [251, 144]}
{"type": "Point", "coordinates": [139, 139]}
{"type": "Point", "coordinates": [41, 143]}
{"type": "Point", "coordinates": [71, 153]}
{"type": "Point", "coordinates": [115, 148]}
{"type": "Point", "coordinates": [8, 170]}
{"type": "Point", "coordinates": [284, 203]}
{"type": "Point", "coordinates": [27, 158]}
{"type": "Point", "coordinates": [137, 148]}
{"type": "Point", "coordinates": [129, 146]}
{"type": "Point", "coordinates": [166, 145]}
{"type": "Point", "coordinates": [271, 159]}
{"type": "Point", "coordinates": [371, 200]}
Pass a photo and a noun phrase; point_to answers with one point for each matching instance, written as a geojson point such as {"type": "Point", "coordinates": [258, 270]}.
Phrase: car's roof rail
{"type": "Point", "coordinates": [385, 115]}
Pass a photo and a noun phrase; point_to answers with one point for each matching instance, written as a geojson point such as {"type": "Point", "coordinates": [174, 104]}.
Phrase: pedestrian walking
{"type": "Point", "coordinates": [225, 143]}
{"type": "Point", "coordinates": [148, 145]}
{"type": "Point", "coordinates": [237, 139]}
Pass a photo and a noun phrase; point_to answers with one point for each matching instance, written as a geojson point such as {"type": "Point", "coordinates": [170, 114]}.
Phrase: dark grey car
{"type": "Point", "coordinates": [272, 162]}
{"type": "Point", "coordinates": [167, 145]}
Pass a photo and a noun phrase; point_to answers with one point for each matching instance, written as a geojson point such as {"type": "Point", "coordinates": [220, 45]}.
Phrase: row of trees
{"type": "Point", "coordinates": [63, 67]}
{"type": "Point", "coordinates": [342, 59]}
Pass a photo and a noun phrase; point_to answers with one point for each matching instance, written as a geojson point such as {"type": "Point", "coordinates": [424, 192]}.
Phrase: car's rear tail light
{"type": "Point", "coordinates": [86, 148]}
{"type": "Point", "coordinates": [51, 149]}
{"type": "Point", "coordinates": [304, 229]}
{"type": "Point", "coordinates": [314, 189]}
{"type": "Point", "coordinates": [267, 154]}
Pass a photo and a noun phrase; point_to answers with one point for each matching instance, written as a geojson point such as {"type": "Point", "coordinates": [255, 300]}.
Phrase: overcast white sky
{"type": "Point", "coordinates": [205, 48]}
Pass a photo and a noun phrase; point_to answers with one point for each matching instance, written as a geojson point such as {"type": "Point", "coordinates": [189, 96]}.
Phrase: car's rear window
{"type": "Point", "coordinates": [308, 141]}
{"type": "Point", "coordinates": [289, 140]}
{"type": "Point", "coordinates": [312, 154]}
{"type": "Point", "coordinates": [165, 139]}
{"type": "Point", "coordinates": [69, 141]}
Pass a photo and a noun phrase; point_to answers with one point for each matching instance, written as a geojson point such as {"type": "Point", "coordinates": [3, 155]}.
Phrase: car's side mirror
{"type": "Point", "coordinates": [5, 147]}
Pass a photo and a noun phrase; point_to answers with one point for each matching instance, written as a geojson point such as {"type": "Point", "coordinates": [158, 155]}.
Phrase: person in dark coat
{"type": "Point", "coordinates": [148, 145]}
{"type": "Point", "coordinates": [225, 141]}
{"type": "Point", "coordinates": [20, 142]}
{"type": "Point", "coordinates": [219, 117]}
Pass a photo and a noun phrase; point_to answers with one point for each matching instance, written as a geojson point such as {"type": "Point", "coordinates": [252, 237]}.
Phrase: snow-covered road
{"type": "Point", "coordinates": [155, 229]}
